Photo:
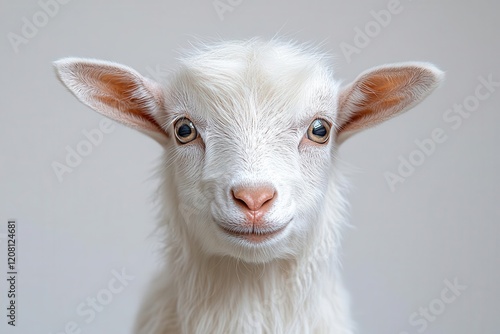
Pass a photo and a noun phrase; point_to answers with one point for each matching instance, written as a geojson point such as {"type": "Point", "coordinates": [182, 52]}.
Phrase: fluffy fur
{"type": "Point", "coordinates": [252, 103]}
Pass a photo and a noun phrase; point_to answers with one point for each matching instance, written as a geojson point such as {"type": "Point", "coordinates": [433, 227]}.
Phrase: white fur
{"type": "Point", "coordinates": [252, 103]}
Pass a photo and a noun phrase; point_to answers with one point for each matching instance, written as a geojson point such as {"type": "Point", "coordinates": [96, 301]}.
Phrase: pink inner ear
{"type": "Point", "coordinates": [381, 94]}
{"type": "Point", "coordinates": [370, 115]}
{"type": "Point", "coordinates": [135, 115]}
{"type": "Point", "coordinates": [128, 97]}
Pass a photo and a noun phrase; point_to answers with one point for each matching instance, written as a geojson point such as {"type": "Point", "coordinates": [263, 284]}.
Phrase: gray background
{"type": "Point", "coordinates": [440, 224]}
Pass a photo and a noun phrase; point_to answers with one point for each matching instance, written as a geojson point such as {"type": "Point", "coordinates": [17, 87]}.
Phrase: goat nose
{"type": "Point", "coordinates": [254, 198]}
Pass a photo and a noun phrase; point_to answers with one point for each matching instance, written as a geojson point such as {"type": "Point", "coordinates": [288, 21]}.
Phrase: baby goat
{"type": "Point", "coordinates": [252, 200]}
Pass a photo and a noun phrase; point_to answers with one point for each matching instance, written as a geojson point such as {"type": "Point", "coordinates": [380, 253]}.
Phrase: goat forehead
{"type": "Point", "coordinates": [259, 101]}
{"type": "Point", "coordinates": [255, 83]}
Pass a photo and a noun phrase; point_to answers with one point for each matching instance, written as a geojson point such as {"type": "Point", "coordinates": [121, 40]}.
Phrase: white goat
{"type": "Point", "coordinates": [252, 199]}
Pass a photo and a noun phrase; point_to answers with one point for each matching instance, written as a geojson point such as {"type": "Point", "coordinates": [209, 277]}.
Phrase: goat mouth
{"type": "Point", "coordinates": [254, 234]}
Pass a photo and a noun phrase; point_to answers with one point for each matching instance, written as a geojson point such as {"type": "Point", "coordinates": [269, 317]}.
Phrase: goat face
{"type": "Point", "coordinates": [253, 147]}
{"type": "Point", "coordinates": [250, 131]}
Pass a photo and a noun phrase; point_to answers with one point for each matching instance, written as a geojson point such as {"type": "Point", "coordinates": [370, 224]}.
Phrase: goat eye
{"type": "Point", "coordinates": [185, 131]}
{"type": "Point", "coordinates": [319, 131]}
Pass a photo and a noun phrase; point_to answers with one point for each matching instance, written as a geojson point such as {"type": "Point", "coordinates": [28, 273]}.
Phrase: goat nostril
{"type": "Point", "coordinates": [238, 200]}
{"type": "Point", "coordinates": [253, 198]}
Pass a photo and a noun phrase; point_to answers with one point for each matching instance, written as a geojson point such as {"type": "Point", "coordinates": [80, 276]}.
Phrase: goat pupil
{"type": "Point", "coordinates": [318, 129]}
{"type": "Point", "coordinates": [184, 130]}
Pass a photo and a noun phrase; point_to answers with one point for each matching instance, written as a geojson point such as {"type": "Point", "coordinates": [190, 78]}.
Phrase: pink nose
{"type": "Point", "coordinates": [254, 201]}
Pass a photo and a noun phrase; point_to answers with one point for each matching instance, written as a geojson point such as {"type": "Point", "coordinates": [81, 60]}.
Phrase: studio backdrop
{"type": "Point", "coordinates": [78, 246]}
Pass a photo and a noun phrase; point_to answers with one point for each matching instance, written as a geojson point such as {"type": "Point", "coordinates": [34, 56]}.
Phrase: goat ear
{"type": "Point", "coordinates": [382, 93]}
{"type": "Point", "coordinates": [115, 91]}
